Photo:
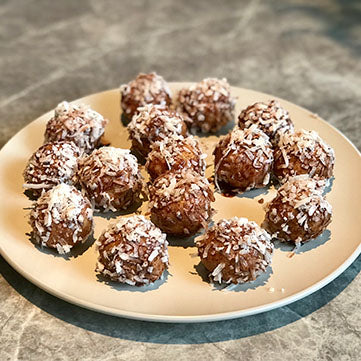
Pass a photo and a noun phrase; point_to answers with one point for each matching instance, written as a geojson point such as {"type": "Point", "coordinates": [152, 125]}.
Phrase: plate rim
{"type": "Point", "coordinates": [189, 319]}
{"type": "Point", "coordinates": [199, 318]}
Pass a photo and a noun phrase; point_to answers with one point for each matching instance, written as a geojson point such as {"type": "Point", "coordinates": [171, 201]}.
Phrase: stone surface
{"type": "Point", "coordinates": [304, 51]}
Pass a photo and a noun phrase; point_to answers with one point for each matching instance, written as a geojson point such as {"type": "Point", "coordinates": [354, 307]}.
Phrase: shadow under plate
{"type": "Point", "coordinates": [172, 333]}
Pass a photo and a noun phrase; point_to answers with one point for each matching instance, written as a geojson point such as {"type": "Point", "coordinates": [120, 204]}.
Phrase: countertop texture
{"type": "Point", "coordinates": [307, 52]}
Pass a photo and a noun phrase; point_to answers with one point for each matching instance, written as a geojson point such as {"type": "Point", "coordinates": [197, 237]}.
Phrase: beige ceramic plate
{"type": "Point", "coordinates": [183, 296]}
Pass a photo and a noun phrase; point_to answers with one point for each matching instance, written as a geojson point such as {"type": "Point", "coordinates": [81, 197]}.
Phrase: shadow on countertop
{"type": "Point", "coordinates": [171, 333]}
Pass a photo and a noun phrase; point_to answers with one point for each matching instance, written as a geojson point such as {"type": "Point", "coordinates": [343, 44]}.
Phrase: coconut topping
{"type": "Point", "coordinates": [305, 202]}
{"type": "Point", "coordinates": [270, 117]}
{"type": "Point", "coordinates": [62, 204]}
{"type": "Point", "coordinates": [77, 123]}
{"type": "Point", "coordinates": [236, 241]}
{"type": "Point", "coordinates": [154, 123]}
{"type": "Point", "coordinates": [311, 151]}
{"type": "Point", "coordinates": [145, 89]}
{"type": "Point", "coordinates": [177, 149]}
{"type": "Point", "coordinates": [210, 97]}
{"type": "Point", "coordinates": [253, 143]}
{"type": "Point", "coordinates": [180, 202]}
{"type": "Point", "coordinates": [302, 191]}
{"type": "Point", "coordinates": [111, 159]}
{"type": "Point", "coordinates": [51, 164]}
{"type": "Point", "coordinates": [105, 166]}
{"type": "Point", "coordinates": [137, 243]}
{"type": "Point", "coordinates": [176, 186]}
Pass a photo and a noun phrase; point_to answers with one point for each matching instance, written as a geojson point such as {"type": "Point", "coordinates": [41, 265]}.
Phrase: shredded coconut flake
{"type": "Point", "coordinates": [136, 244]}
{"type": "Point", "coordinates": [77, 123]}
{"type": "Point", "coordinates": [233, 241]}
{"type": "Point", "coordinates": [62, 204]}
{"type": "Point", "coordinates": [269, 117]}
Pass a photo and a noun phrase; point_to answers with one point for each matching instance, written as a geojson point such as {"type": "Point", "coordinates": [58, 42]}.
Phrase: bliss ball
{"type": "Point", "coordinates": [110, 177]}
{"type": "Point", "coordinates": [207, 106]}
{"type": "Point", "coordinates": [269, 117]}
{"type": "Point", "coordinates": [76, 123]}
{"type": "Point", "coordinates": [51, 164]}
{"type": "Point", "coordinates": [235, 250]}
{"type": "Point", "coordinates": [303, 152]}
{"type": "Point", "coordinates": [152, 124]}
{"type": "Point", "coordinates": [175, 153]}
{"type": "Point", "coordinates": [144, 89]}
{"type": "Point", "coordinates": [61, 218]}
{"type": "Point", "coordinates": [243, 160]}
{"type": "Point", "coordinates": [132, 251]}
{"type": "Point", "coordinates": [180, 202]}
{"type": "Point", "coordinates": [299, 212]}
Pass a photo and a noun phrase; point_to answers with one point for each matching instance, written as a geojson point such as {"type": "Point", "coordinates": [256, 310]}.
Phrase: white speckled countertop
{"type": "Point", "coordinates": [304, 51]}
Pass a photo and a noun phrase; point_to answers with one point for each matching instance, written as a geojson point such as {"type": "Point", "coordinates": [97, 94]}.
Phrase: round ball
{"type": "Point", "coordinates": [154, 123]}
{"type": "Point", "coordinates": [180, 202]}
{"type": "Point", "coordinates": [303, 152]}
{"type": "Point", "coordinates": [175, 153]}
{"type": "Point", "coordinates": [299, 212]}
{"type": "Point", "coordinates": [76, 123]}
{"type": "Point", "coordinates": [111, 178]}
{"type": "Point", "coordinates": [61, 218]}
{"type": "Point", "coordinates": [235, 250]}
{"type": "Point", "coordinates": [243, 160]}
{"type": "Point", "coordinates": [132, 251]}
{"type": "Point", "coordinates": [269, 117]}
{"type": "Point", "coordinates": [51, 164]}
{"type": "Point", "coordinates": [207, 106]}
{"type": "Point", "coordinates": [144, 89]}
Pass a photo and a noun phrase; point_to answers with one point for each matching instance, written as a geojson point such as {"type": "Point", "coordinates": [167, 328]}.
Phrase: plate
{"type": "Point", "coordinates": [184, 295]}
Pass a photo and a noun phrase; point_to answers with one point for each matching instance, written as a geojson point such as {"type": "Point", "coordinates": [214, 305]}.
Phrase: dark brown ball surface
{"type": "Point", "coordinates": [144, 89]}
{"type": "Point", "coordinates": [207, 106]}
{"type": "Point", "coordinates": [299, 212]}
{"type": "Point", "coordinates": [269, 117]}
{"type": "Point", "coordinates": [152, 124]}
{"type": "Point", "coordinates": [235, 250]}
{"type": "Point", "coordinates": [303, 152]}
{"type": "Point", "coordinates": [51, 164]}
{"type": "Point", "coordinates": [76, 123]}
{"type": "Point", "coordinates": [175, 153]}
{"type": "Point", "coordinates": [111, 178]}
{"type": "Point", "coordinates": [133, 251]}
{"type": "Point", "coordinates": [243, 160]}
{"type": "Point", "coordinates": [180, 202]}
{"type": "Point", "coordinates": [61, 218]}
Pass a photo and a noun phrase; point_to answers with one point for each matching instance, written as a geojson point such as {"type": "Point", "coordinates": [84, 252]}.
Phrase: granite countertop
{"type": "Point", "coordinates": [304, 51]}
